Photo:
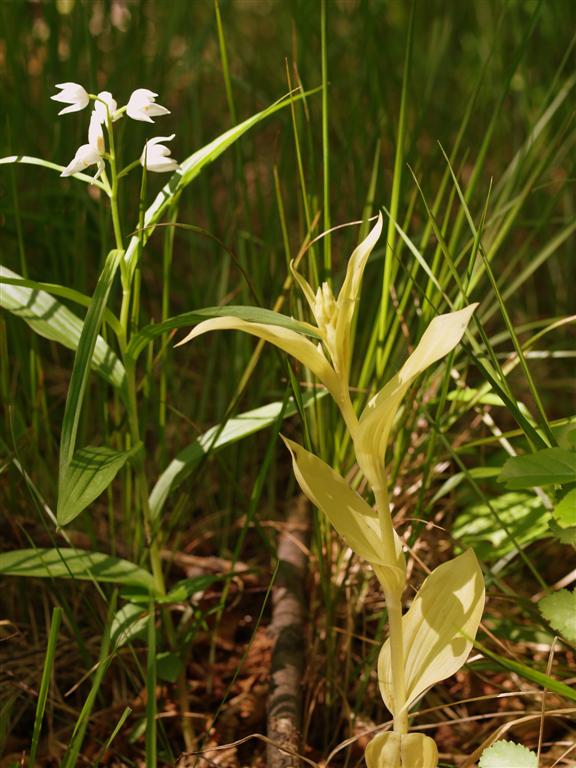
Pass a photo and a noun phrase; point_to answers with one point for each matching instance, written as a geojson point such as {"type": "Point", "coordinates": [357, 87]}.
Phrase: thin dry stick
{"type": "Point", "coordinates": [284, 704]}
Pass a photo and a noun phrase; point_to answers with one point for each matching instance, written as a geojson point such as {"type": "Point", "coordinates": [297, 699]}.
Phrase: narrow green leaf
{"type": "Point", "coordinates": [213, 439]}
{"type": "Point", "coordinates": [52, 320]}
{"type": "Point", "coordinates": [81, 369]}
{"type": "Point", "coordinates": [559, 610]}
{"type": "Point", "coordinates": [75, 564]}
{"type": "Point", "coordinates": [546, 467]}
{"type": "Point", "coordinates": [90, 472]}
{"type": "Point", "coordinates": [193, 165]}
{"type": "Point", "coordinates": [29, 160]}
{"type": "Point", "coordinates": [251, 314]}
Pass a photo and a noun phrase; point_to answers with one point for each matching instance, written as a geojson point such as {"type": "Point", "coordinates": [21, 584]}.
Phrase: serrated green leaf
{"type": "Point", "coordinates": [49, 318]}
{"type": "Point", "coordinates": [74, 563]}
{"type": "Point", "coordinates": [90, 472]}
{"type": "Point", "coordinates": [559, 610]}
{"type": "Point", "coordinates": [550, 466]}
{"type": "Point", "coordinates": [564, 535]}
{"type": "Point", "coordinates": [565, 510]}
{"type": "Point", "coordinates": [129, 622]}
{"type": "Point", "coordinates": [507, 754]}
{"type": "Point", "coordinates": [524, 516]}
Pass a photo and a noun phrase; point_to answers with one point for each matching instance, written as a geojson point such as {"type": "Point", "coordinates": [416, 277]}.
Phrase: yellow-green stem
{"type": "Point", "coordinates": [393, 599]}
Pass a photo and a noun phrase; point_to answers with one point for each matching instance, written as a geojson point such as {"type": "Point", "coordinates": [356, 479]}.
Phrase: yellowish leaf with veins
{"type": "Point", "coordinates": [371, 436]}
{"type": "Point", "coordinates": [350, 515]}
{"type": "Point", "coordinates": [395, 750]}
{"type": "Point", "coordinates": [438, 629]}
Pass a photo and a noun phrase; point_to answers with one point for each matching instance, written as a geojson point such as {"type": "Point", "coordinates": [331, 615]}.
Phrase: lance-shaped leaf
{"type": "Point", "coordinates": [371, 437]}
{"type": "Point", "coordinates": [350, 515]}
{"type": "Point", "coordinates": [438, 629]}
{"type": "Point", "coordinates": [289, 341]}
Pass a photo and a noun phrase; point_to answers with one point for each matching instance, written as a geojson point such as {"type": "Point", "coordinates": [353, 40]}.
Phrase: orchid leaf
{"type": "Point", "coordinates": [355, 521]}
{"type": "Point", "coordinates": [371, 438]}
{"type": "Point", "coordinates": [213, 439]}
{"type": "Point", "coordinates": [438, 629]}
{"type": "Point", "coordinates": [47, 317]}
{"type": "Point", "coordinates": [251, 314]}
{"type": "Point", "coordinates": [74, 564]}
{"type": "Point", "coordinates": [90, 472]}
{"type": "Point", "coordinates": [284, 338]}
{"type": "Point", "coordinates": [191, 167]}
{"type": "Point", "coordinates": [565, 510]}
{"type": "Point", "coordinates": [129, 623]}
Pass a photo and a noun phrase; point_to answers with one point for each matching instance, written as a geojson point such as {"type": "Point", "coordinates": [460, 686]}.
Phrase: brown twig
{"type": "Point", "coordinates": [284, 706]}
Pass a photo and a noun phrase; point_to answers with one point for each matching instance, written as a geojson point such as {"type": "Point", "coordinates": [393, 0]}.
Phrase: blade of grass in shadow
{"type": "Point", "coordinates": [45, 683]}
{"type": "Point", "coordinates": [71, 756]}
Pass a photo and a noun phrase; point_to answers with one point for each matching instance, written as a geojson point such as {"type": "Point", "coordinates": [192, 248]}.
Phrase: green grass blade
{"type": "Point", "coordinates": [45, 683]}
{"type": "Point", "coordinates": [52, 320]}
{"type": "Point", "coordinates": [191, 168]}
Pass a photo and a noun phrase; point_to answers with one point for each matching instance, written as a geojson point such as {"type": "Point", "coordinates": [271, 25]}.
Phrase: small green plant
{"type": "Point", "coordinates": [431, 640]}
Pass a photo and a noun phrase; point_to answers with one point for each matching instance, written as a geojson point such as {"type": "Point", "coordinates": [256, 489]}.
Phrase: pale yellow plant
{"type": "Point", "coordinates": [433, 638]}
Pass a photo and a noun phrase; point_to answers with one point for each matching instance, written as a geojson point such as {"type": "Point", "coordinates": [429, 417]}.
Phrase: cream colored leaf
{"type": "Point", "coordinates": [438, 629]}
{"type": "Point", "coordinates": [394, 750]}
{"type": "Point", "coordinates": [350, 515]}
{"type": "Point", "coordinates": [371, 437]}
{"type": "Point", "coordinates": [348, 296]}
{"type": "Point", "coordinates": [291, 342]}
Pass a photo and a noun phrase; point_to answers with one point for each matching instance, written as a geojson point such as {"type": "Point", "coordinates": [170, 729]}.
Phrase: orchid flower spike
{"type": "Point", "coordinates": [73, 94]}
{"type": "Point", "coordinates": [86, 155]}
{"type": "Point", "coordinates": [142, 106]}
{"type": "Point", "coordinates": [156, 157]}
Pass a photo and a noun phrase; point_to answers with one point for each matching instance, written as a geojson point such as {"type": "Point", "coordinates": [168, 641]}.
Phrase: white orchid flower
{"type": "Point", "coordinates": [105, 99]}
{"type": "Point", "coordinates": [73, 94]}
{"type": "Point", "coordinates": [96, 133]}
{"type": "Point", "coordinates": [85, 156]}
{"type": "Point", "coordinates": [156, 157]}
{"type": "Point", "coordinates": [142, 106]}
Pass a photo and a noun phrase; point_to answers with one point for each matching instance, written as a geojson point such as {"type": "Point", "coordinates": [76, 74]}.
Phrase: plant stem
{"type": "Point", "coordinates": [393, 598]}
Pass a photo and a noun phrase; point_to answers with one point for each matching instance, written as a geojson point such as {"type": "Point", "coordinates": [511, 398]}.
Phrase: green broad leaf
{"type": "Point", "coordinates": [90, 472]}
{"type": "Point", "coordinates": [214, 439]}
{"type": "Point", "coordinates": [559, 610]}
{"type": "Point", "coordinates": [74, 564]}
{"type": "Point", "coordinates": [565, 510]}
{"type": "Point", "coordinates": [81, 368]}
{"type": "Point", "coordinates": [482, 526]}
{"type": "Point", "coordinates": [550, 466]}
{"type": "Point", "coordinates": [129, 623]}
{"type": "Point", "coordinates": [168, 666]}
{"type": "Point", "coordinates": [251, 314]}
{"type": "Point", "coordinates": [194, 164]}
{"type": "Point", "coordinates": [52, 320]}
{"type": "Point", "coordinates": [507, 754]}
{"type": "Point", "coordinates": [184, 589]}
